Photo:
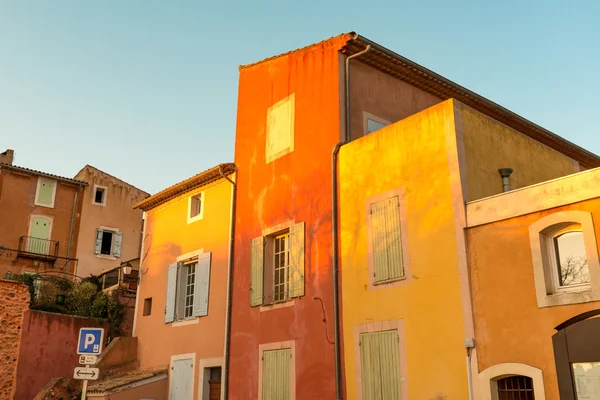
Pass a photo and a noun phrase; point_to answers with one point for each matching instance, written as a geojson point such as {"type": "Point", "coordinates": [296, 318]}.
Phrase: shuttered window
{"type": "Point", "coordinates": [277, 261]}
{"type": "Point", "coordinates": [386, 240]}
{"type": "Point", "coordinates": [108, 242]}
{"type": "Point", "coordinates": [188, 286]}
{"type": "Point", "coordinates": [276, 374]}
{"type": "Point", "coordinates": [46, 192]}
{"type": "Point", "coordinates": [380, 365]}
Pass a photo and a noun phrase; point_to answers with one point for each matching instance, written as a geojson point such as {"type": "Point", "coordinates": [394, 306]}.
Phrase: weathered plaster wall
{"type": "Point", "coordinates": [118, 213]}
{"type": "Point", "coordinates": [418, 156]}
{"type": "Point", "coordinates": [48, 349]}
{"type": "Point", "coordinates": [17, 196]}
{"type": "Point", "coordinates": [168, 236]}
{"type": "Point", "coordinates": [296, 187]}
{"type": "Point", "coordinates": [14, 302]}
{"type": "Point", "coordinates": [382, 95]}
{"type": "Point", "coordinates": [490, 145]}
{"type": "Point", "coordinates": [509, 326]}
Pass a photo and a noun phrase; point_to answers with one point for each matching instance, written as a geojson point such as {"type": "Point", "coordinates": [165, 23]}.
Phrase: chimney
{"type": "Point", "coordinates": [7, 157]}
{"type": "Point", "coordinates": [505, 174]}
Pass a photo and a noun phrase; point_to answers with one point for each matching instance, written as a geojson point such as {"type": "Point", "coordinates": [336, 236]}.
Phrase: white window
{"type": "Point", "coordinates": [372, 123]}
{"type": "Point", "coordinates": [181, 376]}
{"type": "Point", "coordinates": [277, 266]}
{"type": "Point", "coordinates": [565, 259]}
{"type": "Point", "coordinates": [196, 207]}
{"type": "Point", "coordinates": [45, 193]}
{"type": "Point", "coordinates": [280, 128]}
{"type": "Point", "coordinates": [188, 288]}
{"type": "Point", "coordinates": [108, 242]}
{"type": "Point", "coordinates": [99, 195]}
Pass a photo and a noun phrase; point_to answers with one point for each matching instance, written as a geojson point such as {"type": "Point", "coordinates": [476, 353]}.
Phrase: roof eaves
{"type": "Point", "coordinates": [112, 176]}
{"type": "Point", "coordinates": [44, 174]}
{"type": "Point", "coordinates": [417, 75]}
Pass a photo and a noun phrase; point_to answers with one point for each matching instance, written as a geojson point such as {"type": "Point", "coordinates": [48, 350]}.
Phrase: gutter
{"type": "Point", "coordinates": [334, 230]}
{"type": "Point", "coordinates": [225, 384]}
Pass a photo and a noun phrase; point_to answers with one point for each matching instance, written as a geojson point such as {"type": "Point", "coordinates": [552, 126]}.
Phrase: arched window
{"type": "Point", "coordinates": [516, 387]}
{"type": "Point", "coordinates": [570, 261]}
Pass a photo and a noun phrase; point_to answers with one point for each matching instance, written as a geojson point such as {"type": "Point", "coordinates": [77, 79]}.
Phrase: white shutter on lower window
{"type": "Point", "coordinates": [171, 293]}
{"type": "Point", "coordinates": [297, 260]}
{"type": "Point", "coordinates": [256, 271]}
{"type": "Point", "coordinates": [202, 286]}
{"type": "Point", "coordinates": [98, 245]}
{"type": "Point", "coordinates": [118, 243]}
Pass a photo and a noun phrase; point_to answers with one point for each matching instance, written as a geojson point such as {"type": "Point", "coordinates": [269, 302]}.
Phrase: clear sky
{"type": "Point", "coordinates": [147, 90]}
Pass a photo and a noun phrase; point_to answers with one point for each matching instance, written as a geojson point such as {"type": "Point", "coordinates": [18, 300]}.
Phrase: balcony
{"type": "Point", "coordinates": [41, 249]}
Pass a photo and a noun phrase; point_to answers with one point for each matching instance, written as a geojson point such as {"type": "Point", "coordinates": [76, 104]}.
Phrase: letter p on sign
{"type": "Point", "coordinates": [90, 341]}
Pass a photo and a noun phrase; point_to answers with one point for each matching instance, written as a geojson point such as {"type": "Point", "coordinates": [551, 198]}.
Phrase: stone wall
{"type": "Point", "coordinates": [14, 301]}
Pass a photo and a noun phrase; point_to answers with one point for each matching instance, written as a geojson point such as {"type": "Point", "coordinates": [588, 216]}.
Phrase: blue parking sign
{"type": "Point", "coordinates": [90, 341]}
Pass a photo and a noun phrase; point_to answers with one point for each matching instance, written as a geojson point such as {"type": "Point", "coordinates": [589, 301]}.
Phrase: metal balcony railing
{"type": "Point", "coordinates": [33, 247]}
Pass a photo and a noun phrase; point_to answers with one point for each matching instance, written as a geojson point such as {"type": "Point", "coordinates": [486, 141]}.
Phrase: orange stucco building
{"type": "Point", "coordinates": [181, 300]}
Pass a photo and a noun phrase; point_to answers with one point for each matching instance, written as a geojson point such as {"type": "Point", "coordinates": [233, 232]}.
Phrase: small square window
{"type": "Point", "coordinates": [147, 306]}
{"type": "Point", "coordinates": [99, 195]}
{"type": "Point", "coordinates": [196, 207]}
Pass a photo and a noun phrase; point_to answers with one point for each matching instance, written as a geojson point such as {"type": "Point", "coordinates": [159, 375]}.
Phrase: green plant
{"type": "Point", "coordinates": [80, 298]}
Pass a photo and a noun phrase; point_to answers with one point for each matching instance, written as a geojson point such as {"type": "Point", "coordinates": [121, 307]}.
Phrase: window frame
{"type": "Point", "coordinates": [289, 344]}
{"type": "Point", "coordinates": [104, 196]}
{"type": "Point", "coordinates": [541, 237]}
{"type": "Point", "coordinates": [200, 215]}
{"type": "Point", "coordinates": [114, 232]}
{"type": "Point", "coordinates": [368, 116]}
{"type": "Point", "coordinates": [488, 379]}
{"type": "Point", "coordinates": [554, 262]}
{"type": "Point", "coordinates": [37, 192]}
{"type": "Point", "coordinates": [402, 280]}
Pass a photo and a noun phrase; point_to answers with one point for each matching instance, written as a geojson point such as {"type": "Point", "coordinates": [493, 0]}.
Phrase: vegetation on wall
{"type": "Point", "coordinates": [84, 298]}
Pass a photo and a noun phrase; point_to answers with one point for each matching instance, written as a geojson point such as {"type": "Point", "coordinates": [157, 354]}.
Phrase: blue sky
{"type": "Point", "coordinates": [147, 90]}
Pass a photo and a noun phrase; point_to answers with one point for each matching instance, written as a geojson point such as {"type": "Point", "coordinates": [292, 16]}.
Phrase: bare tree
{"type": "Point", "coordinates": [574, 271]}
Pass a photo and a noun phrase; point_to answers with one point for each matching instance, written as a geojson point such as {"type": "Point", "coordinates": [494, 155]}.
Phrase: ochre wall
{"type": "Point", "coordinates": [296, 187]}
{"type": "Point", "coordinates": [509, 326]}
{"type": "Point", "coordinates": [17, 196]}
{"type": "Point", "coordinates": [383, 95]}
{"type": "Point", "coordinates": [490, 145]}
{"type": "Point", "coordinates": [14, 302]}
{"type": "Point", "coordinates": [417, 155]}
{"type": "Point", "coordinates": [118, 213]}
{"type": "Point", "coordinates": [168, 235]}
{"type": "Point", "coordinates": [48, 349]}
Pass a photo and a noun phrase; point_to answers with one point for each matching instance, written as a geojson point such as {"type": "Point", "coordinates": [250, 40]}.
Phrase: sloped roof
{"type": "Point", "coordinates": [101, 387]}
{"type": "Point", "coordinates": [111, 176]}
{"type": "Point", "coordinates": [201, 179]}
{"type": "Point", "coordinates": [40, 173]}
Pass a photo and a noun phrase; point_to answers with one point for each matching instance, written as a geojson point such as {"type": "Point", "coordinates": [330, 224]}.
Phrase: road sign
{"type": "Point", "coordinates": [86, 373]}
{"type": "Point", "coordinates": [90, 341]}
{"type": "Point", "coordinates": [88, 360]}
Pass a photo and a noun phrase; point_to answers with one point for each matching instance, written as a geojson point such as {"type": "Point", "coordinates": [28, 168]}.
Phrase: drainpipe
{"type": "Point", "coordinates": [229, 284]}
{"type": "Point", "coordinates": [505, 174]}
{"type": "Point", "coordinates": [334, 230]}
{"type": "Point", "coordinates": [469, 345]}
{"type": "Point", "coordinates": [72, 227]}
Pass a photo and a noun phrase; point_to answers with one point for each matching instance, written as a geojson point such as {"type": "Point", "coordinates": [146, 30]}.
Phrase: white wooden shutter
{"type": "Point", "coordinates": [202, 285]}
{"type": "Point", "coordinates": [297, 260]}
{"type": "Point", "coordinates": [171, 293]}
{"type": "Point", "coordinates": [386, 239]}
{"type": "Point", "coordinates": [256, 271]}
{"type": "Point", "coordinates": [98, 245]}
{"type": "Point", "coordinates": [118, 242]}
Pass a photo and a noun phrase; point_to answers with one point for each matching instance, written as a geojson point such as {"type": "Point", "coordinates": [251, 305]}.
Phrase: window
{"type": "Point", "coordinates": [280, 128]}
{"type": "Point", "coordinates": [515, 387]}
{"type": "Point", "coordinates": [147, 307]}
{"type": "Point", "coordinates": [380, 365]}
{"type": "Point", "coordinates": [99, 195]}
{"type": "Point", "coordinates": [276, 374]}
{"type": "Point", "coordinates": [214, 383]}
{"type": "Point", "coordinates": [196, 207]}
{"type": "Point", "coordinates": [111, 278]}
{"type": "Point", "coordinates": [565, 259]}
{"type": "Point", "coordinates": [372, 123]}
{"type": "Point", "coordinates": [181, 385]}
{"type": "Point", "coordinates": [188, 288]}
{"type": "Point", "coordinates": [277, 266]}
{"type": "Point", "coordinates": [45, 193]}
{"type": "Point", "coordinates": [108, 242]}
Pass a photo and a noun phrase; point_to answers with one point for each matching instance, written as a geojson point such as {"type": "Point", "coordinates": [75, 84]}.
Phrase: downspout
{"type": "Point", "coordinates": [334, 230]}
{"type": "Point", "coordinates": [72, 227]}
{"type": "Point", "coordinates": [229, 284]}
{"type": "Point", "coordinates": [469, 345]}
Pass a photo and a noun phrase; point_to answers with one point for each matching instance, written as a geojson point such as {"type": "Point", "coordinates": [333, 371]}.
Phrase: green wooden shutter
{"type": "Point", "coordinates": [171, 293]}
{"type": "Point", "coordinates": [386, 240]}
{"type": "Point", "coordinates": [256, 271]}
{"type": "Point", "coordinates": [297, 260]}
{"type": "Point", "coordinates": [98, 245]}
{"type": "Point", "coordinates": [202, 286]}
{"type": "Point", "coordinates": [45, 193]}
{"type": "Point", "coordinates": [380, 365]}
{"type": "Point", "coordinates": [118, 244]}
{"type": "Point", "coordinates": [276, 374]}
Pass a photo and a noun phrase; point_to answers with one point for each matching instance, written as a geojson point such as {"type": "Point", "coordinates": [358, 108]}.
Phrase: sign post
{"type": "Point", "coordinates": [89, 347]}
